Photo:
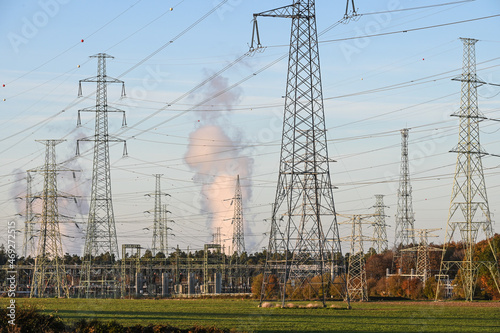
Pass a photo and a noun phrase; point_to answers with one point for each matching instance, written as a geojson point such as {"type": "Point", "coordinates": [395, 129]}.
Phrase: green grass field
{"type": "Point", "coordinates": [245, 315]}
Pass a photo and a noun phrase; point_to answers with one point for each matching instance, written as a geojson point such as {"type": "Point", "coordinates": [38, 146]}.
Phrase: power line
{"type": "Point", "coordinates": [410, 30]}
{"type": "Point", "coordinates": [74, 45]}
{"type": "Point", "coordinates": [416, 8]}
{"type": "Point", "coordinates": [182, 33]}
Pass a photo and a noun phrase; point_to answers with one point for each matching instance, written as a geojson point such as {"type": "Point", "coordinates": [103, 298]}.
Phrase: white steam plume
{"type": "Point", "coordinates": [216, 155]}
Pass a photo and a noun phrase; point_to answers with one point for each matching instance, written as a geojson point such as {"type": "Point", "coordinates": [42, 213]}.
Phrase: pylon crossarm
{"type": "Point", "coordinates": [107, 79]}
{"type": "Point", "coordinates": [463, 78]}
{"type": "Point", "coordinates": [108, 109]}
{"type": "Point", "coordinates": [283, 12]}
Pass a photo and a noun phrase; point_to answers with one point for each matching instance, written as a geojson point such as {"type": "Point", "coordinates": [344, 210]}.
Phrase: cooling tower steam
{"type": "Point", "coordinates": [217, 155]}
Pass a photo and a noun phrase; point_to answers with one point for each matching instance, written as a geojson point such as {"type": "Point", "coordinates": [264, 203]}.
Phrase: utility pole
{"type": "Point", "coordinates": [405, 217]}
{"type": "Point", "coordinates": [49, 270]}
{"type": "Point", "coordinates": [304, 240]}
{"type": "Point", "coordinates": [101, 229]}
{"type": "Point", "coordinates": [380, 243]}
{"type": "Point", "coordinates": [469, 209]}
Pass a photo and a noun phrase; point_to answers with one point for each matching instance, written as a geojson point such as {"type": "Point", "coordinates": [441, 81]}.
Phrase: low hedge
{"type": "Point", "coordinates": [29, 320]}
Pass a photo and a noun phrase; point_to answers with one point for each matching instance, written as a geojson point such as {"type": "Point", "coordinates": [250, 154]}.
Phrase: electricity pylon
{"type": "Point", "coordinates": [49, 270]}
{"type": "Point", "coordinates": [304, 241]}
{"type": "Point", "coordinates": [217, 236]}
{"type": "Point", "coordinates": [166, 228]}
{"type": "Point", "coordinates": [237, 274]}
{"type": "Point", "coordinates": [238, 245]}
{"type": "Point", "coordinates": [423, 253]}
{"type": "Point", "coordinates": [29, 222]}
{"type": "Point", "coordinates": [159, 229]}
{"type": "Point", "coordinates": [101, 229]}
{"type": "Point", "coordinates": [380, 243]}
{"type": "Point", "coordinates": [405, 217]}
{"type": "Point", "coordinates": [469, 210]}
{"type": "Point", "coordinates": [356, 270]}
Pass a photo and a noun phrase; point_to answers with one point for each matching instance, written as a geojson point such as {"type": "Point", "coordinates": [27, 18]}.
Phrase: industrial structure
{"type": "Point", "coordinates": [380, 242]}
{"type": "Point", "coordinates": [304, 241]}
{"type": "Point", "coordinates": [166, 228]}
{"type": "Point", "coordinates": [420, 252]}
{"type": "Point", "coordinates": [469, 212]}
{"type": "Point", "coordinates": [357, 287]}
{"type": "Point", "coordinates": [405, 220]}
{"type": "Point", "coordinates": [130, 269]}
{"type": "Point", "coordinates": [101, 230]}
{"type": "Point", "coordinates": [49, 269]}
{"type": "Point", "coordinates": [238, 243]}
{"type": "Point", "coordinates": [303, 259]}
{"type": "Point", "coordinates": [29, 245]}
{"type": "Point", "coordinates": [238, 274]}
{"type": "Point", "coordinates": [423, 270]}
{"type": "Point", "coordinates": [160, 232]}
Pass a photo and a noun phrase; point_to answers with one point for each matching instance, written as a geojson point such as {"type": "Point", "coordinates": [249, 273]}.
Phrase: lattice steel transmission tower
{"type": "Point", "coordinates": [217, 236]}
{"type": "Point", "coordinates": [356, 270]}
{"type": "Point", "coordinates": [404, 236]}
{"type": "Point", "coordinates": [405, 217]}
{"type": "Point", "coordinates": [304, 241]}
{"type": "Point", "coordinates": [29, 221]}
{"type": "Point", "coordinates": [166, 228]}
{"type": "Point", "coordinates": [160, 243]}
{"type": "Point", "coordinates": [423, 253]}
{"type": "Point", "coordinates": [469, 210]}
{"type": "Point", "coordinates": [238, 274]}
{"type": "Point", "coordinates": [238, 245]}
{"type": "Point", "coordinates": [101, 229]}
{"type": "Point", "coordinates": [49, 270]}
{"type": "Point", "coordinates": [380, 243]}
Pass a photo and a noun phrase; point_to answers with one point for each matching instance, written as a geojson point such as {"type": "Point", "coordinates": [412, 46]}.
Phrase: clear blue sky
{"type": "Point", "coordinates": [373, 87]}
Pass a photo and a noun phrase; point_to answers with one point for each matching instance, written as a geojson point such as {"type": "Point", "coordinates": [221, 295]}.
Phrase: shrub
{"type": "Point", "coordinates": [395, 286]}
{"type": "Point", "coordinates": [257, 285]}
{"type": "Point", "coordinates": [380, 288]}
{"type": "Point", "coordinates": [29, 320]}
{"type": "Point", "coordinates": [430, 288]}
{"type": "Point", "coordinates": [371, 284]}
{"type": "Point", "coordinates": [272, 286]}
{"type": "Point", "coordinates": [413, 288]}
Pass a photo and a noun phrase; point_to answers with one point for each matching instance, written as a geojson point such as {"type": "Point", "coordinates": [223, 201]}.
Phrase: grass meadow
{"type": "Point", "coordinates": [246, 316]}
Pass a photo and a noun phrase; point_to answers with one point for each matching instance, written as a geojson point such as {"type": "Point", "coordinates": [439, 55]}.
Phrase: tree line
{"type": "Point", "coordinates": [379, 285]}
